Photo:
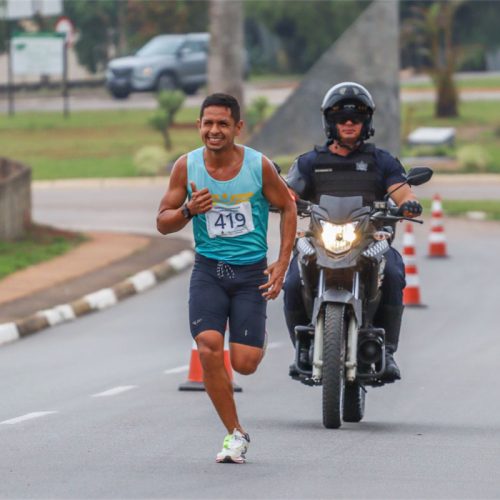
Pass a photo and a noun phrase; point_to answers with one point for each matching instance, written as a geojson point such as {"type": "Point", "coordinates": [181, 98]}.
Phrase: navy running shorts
{"type": "Point", "coordinates": [223, 294]}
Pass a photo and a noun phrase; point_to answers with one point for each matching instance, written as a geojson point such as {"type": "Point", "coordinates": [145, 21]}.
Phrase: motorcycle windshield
{"type": "Point", "coordinates": [343, 209]}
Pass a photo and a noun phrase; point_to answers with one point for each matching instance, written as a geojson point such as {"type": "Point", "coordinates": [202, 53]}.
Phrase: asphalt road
{"type": "Point", "coordinates": [130, 205]}
{"type": "Point", "coordinates": [91, 409]}
{"type": "Point", "coordinates": [276, 95]}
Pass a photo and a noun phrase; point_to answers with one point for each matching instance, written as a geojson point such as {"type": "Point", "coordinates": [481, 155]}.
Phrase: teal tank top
{"type": "Point", "coordinates": [235, 230]}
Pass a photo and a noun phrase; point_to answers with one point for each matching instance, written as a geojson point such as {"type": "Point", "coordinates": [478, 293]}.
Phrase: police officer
{"type": "Point", "coordinates": [348, 166]}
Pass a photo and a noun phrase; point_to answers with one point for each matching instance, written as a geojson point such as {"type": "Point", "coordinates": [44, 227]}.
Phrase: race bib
{"type": "Point", "coordinates": [229, 221]}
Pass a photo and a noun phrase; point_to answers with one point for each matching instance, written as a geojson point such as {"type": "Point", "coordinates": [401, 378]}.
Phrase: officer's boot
{"type": "Point", "coordinates": [391, 323]}
{"type": "Point", "coordinates": [294, 318]}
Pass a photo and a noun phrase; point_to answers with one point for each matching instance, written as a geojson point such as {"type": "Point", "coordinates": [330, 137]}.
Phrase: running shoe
{"type": "Point", "coordinates": [234, 448]}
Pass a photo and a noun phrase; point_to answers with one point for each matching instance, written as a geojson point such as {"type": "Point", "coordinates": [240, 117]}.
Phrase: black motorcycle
{"type": "Point", "coordinates": [341, 263]}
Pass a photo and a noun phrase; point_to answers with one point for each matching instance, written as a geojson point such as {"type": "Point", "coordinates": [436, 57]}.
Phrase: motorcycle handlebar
{"type": "Point", "coordinates": [395, 218]}
{"type": "Point", "coordinates": [304, 208]}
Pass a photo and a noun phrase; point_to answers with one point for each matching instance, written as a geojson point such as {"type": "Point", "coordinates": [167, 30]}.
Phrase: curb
{"type": "Point", "coordinates": [101, 299]}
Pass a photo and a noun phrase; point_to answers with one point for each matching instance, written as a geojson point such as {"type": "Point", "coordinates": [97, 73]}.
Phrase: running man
{"type": "Point", "coordinates": [229, 188]}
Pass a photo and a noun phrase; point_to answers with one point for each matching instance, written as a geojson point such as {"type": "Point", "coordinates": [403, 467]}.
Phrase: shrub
{"type": "Point", "coordinates": [255, 114]}
{"type": "Point", "coordinates": [150, 160]}
{"type": "Point", "coordinates": [440, 150]}
{"type": "Point", "coordinates": [473, 158]}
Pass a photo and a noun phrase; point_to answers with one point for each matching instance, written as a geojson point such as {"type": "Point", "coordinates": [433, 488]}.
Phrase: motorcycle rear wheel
{"type": "Point", "coordinates": [354, 402]}
{"type": "Point", "coordinates": [335, 329]}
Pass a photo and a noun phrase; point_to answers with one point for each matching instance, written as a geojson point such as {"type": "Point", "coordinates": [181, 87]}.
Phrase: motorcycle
{"type": "Point", "coordinates": [341, 264]}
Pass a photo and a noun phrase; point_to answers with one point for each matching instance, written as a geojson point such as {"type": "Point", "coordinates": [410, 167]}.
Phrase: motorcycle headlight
{"type": "Point", "coordinates": [338, 238]}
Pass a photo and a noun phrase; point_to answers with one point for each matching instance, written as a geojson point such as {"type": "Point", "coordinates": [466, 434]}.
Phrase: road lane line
{"type": "Point", "coordinates": [114, 391]}
{"type": "Point", "coordinates": [179, 369]}
{"type": "Point", "coordinates": [274, 345]}
{"type": "Point", "coordinates": [28, 416]}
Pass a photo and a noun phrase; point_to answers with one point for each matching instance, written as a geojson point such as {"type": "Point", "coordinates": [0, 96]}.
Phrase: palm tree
{"type": "Point", "coordinates": [432, 30]}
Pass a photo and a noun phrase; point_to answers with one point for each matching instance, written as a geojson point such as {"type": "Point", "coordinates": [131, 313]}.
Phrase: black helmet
{"type": "Point", "coordinates": [347, 98]}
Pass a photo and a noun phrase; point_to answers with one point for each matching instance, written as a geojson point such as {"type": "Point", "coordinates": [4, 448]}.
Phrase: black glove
{"type": "Point", "coordinates": [410, 209]}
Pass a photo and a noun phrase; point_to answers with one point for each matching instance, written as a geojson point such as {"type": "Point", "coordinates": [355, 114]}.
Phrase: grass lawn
{"type": "Point", "coordinates": [477, 125]}
{"type": "Point", "coordinates": [456, 208]}
{"type": "Point", "coordinates": [39, 244]}
{"type": "Point", "coordinates": [103, 143]}
{"type": "Point", "coordinates": [88, 143]}
{"type": "Point", "coordinates": [484, 82]}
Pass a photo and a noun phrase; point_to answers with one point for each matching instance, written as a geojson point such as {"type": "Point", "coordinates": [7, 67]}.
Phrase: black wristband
{"type": "Point", "coordinates": [186, 212]}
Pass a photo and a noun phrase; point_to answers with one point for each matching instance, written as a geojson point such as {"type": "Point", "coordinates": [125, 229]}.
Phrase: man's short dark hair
{"type": "Point", "coordinates": [225, 100]}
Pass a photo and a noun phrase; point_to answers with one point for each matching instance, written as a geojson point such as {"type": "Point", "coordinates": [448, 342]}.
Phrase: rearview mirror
{"type": "Point", "coordinates": [419, 175]}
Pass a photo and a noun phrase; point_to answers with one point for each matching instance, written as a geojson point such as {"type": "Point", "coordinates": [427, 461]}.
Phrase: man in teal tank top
{"type": "Point", "coordinates": [228, 188]}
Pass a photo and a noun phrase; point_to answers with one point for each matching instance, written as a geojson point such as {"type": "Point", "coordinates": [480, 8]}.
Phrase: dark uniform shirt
{"type": "Point", "coordinates": [389, 169]}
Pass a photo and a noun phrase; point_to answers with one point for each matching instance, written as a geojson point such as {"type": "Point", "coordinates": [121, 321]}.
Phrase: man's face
{"type": "Point", "coordinates": [218, 128]}
{"type": "Point", "coordinates": [349, 127]}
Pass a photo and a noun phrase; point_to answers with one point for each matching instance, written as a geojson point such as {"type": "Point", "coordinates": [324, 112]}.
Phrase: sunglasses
{"type": "Point", "coordinates": [354, 119]}
{"type": "Point", "coordinates": [342, 119]}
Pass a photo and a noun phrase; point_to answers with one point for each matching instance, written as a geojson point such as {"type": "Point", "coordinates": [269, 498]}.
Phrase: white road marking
{"type": "Point", "coordinates": [58, 314]}
{"type": "Point", "coordinates": [8, 333]}
{"type": "Point", "coordinates": [274, 345]}
{"type": "Point", "coordinates": [28, 416]}
{"type": "Point", "coordinates": [114, 391]}
{"type": "Point", "coordinates": [182, 260]}
{"type": "Point", "coordinates": [179, 369]}
{"type": "Point", "coordinates": [143, 280]}
{"type": "Point", "coordinates": [101, 299]}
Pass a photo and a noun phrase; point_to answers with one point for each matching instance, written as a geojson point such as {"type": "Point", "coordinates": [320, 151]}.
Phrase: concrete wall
{"type": "Point", "coordinates": [15, 198]}
{"type": "Point", "coordinates": [367, 53]}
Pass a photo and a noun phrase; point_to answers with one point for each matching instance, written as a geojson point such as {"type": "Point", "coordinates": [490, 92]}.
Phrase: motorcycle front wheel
{"type": "Point", "coordinates": [354, 402]}
{"type": "Point", "coordinates": [335, 330]}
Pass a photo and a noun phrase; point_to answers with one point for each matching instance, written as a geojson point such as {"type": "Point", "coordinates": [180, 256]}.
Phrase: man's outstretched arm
{"type": "Point", "coordinates": [276, 192]}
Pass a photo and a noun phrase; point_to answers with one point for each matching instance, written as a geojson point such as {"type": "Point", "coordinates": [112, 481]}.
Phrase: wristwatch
{"type": "Point", "coordinates": [186, 212]}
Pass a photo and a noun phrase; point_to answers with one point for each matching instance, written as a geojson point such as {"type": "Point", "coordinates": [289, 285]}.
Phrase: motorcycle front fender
{"type": "Point", "coordinates": [335, 296]}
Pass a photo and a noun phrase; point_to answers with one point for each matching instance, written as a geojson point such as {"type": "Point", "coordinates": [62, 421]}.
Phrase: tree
{"type": "Point", "coordinates": [146, 19]}
{"type": "Point", "coordinates": [225, 62]}
{"type": "Point", "coordinates": [431, 29]}
{"type": "Point", "coordinates": [475, 31]}
{"type": "Point", "coordinates": [305, 28]}
{"type": "Point", "coordinates": [169, 102]}
{"type": "Point", "coordinates": [93, 20]}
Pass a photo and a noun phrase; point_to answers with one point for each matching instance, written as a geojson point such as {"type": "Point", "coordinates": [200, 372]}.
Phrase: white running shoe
{"type": "Point", "coordinates": [234, 448]}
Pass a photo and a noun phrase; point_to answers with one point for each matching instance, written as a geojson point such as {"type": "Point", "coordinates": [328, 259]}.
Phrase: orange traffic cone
{"type": "Point", "coordinates": [411, 293]}
{"type": "Point", "coordinates": [437, 238]}
{"type": "Point", "coordinates": [195, 375]}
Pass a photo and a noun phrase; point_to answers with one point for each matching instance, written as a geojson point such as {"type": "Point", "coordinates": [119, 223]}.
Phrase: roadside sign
{"type": "Point", "coordinates": [65, 25]}
{"type": "Point", "coordinates": [38, 53]}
